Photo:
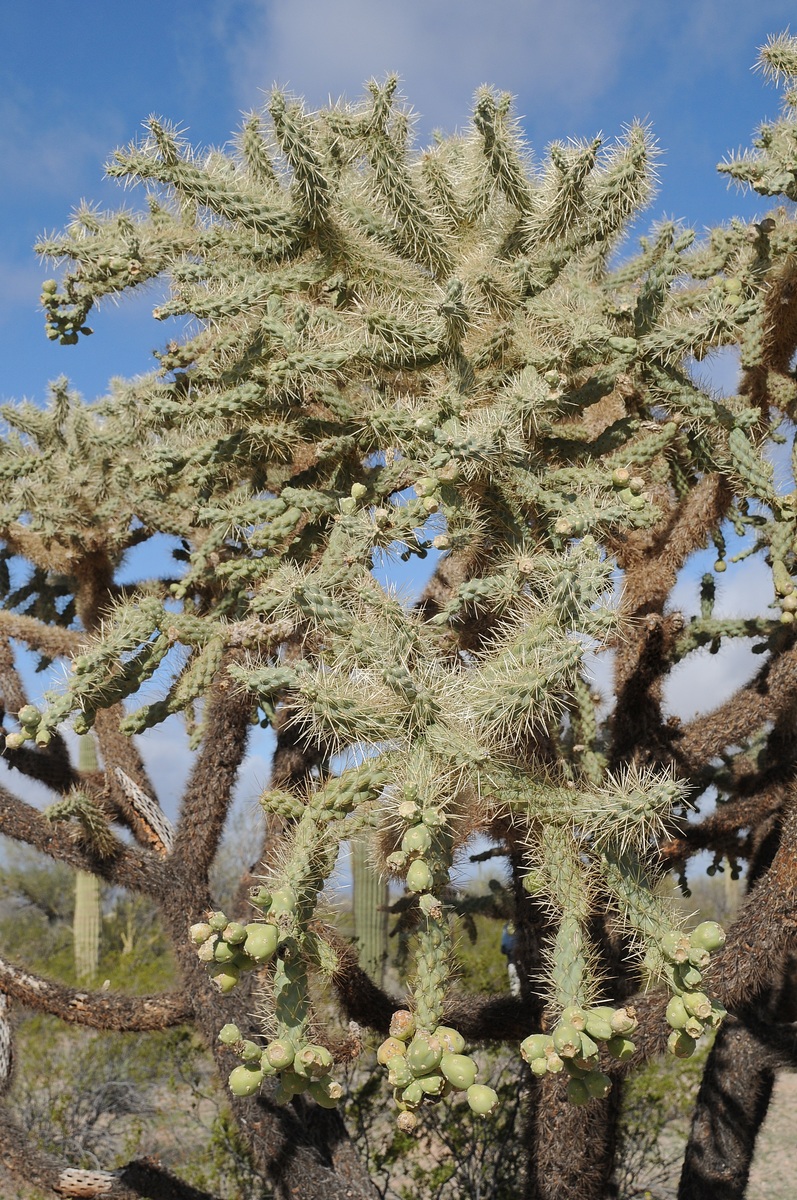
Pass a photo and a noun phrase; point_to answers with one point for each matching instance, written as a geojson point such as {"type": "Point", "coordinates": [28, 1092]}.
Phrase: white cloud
{"type": "Point", "coordinates": [559, 55]}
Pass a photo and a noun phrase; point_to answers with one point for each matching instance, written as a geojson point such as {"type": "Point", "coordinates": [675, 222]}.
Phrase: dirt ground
{"type": "Point", "coordinates": [774, 1173]}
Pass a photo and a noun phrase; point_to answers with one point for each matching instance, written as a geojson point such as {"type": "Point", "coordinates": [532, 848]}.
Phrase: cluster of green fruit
{"type": "Point", "coordinates": [785, 595]}
{"type": "Point", "coordinates": [64, 327]}
{"type": "Point", "coordinates": [690, 1012]}
{"type": "Point", "coordinates": [424, 1065]}
{"type": "Point", "coordinates": [417, 851]}
{"type": "Point", "coordinates": [574, 1047]}
{"type": "Point", "coordinates": [30, 720]}
{"type": "Point", "coordinates": [630, 488]}
{"type": "Point", "coordinates": [230, 948]}
{"type": "Point", "coordinates": [304, 1068]}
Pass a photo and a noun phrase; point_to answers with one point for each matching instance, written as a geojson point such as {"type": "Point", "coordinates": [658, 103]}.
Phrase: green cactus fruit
{"type": "Point", "coordinates": [261, 898]}
{"type": "Point", "coordinates": [419, 876]}
{"type": "Point", "coordinates": [450, 1039]}
{"type": "Point", "coordinates": [15, 741]}
{"type": "Point", "coordinates": [396, 861]}
{"type": "Point", "coordinates": [288, 949]}
{"type": "Point", "coordinates": [262, 939]}
{"type": "Point", "coordinates": [700, 958]}
{"type": "Point", "coordinates": [675, 947]}
{"type": "Point", "coordinates": [433, 818]}
{"type": "Point", "coordinates": [567, 1040]}
{"type": "Point", "coordinates": [280, 1054]}
{"type": "Point", "coordinates": [718, 1013]}
{"type": "Point", "coordinates": [229, 1034]}
{"type": "Point", "coordinates": [432, 1084]}
{"type": "Point", "coordinates": [620, 1048]}
{"type": "Point", "coordinates": [681, 1044]}
{"type": "Point", "coordinates": [217, 921]}
{"type": "Point", "coordinates": [43, 737]}
{"type": "Point", "coordinates": [676, 1013]}
{"type": "Point", "coordinates": [707, 936]}
{"type": "Point", "coordinates": [578, 1092]}
{"type": "Point", "coordinates": [536, 1045]}
{"type": "Point", "coordinates": [312, 1062]}
{"type": "Point", "coordinates": [693, 1028]}
{"type": "Point", "coordinates": [399, 1074]}
{"type": "Point", "coordinates": [50, 286]}
{"type": "Point", "coordinates": [697, 1004]}
{"type": "Point", "coordinates": [575, 1016]}
{"type": "Point", "coordinates": [589, 1047]}
{"type": "Point", "coordinates": [416, 840]}
{"type": "Point", "coordinates": [597, 1084]}
{"type": "Point", "coordinates": [426, 486]}
{"type": "Point", "coordinates": [598, 1026]}
{"type": "Point", "coordinates": [29, 716]}
{"type": "Point", "coordinates": [430, 906]}
{"type": "Point", "coordinates": [325, 1092]}
{"type": "Point", "coordinates": [224, 977]}
{"type": "Point", "coordinates": [482, 1099]}
{"type": "Point", "coordinates": [402, 1025]}
{"type": "Point", "coordinates": [687, 978]}
{"type": "Point", "coordinates": [293, 1083]}
{"type": "Point", "coordinates": [459, 1069]}
{"type": "Point", "coordinates": [390, 1048]}
{"type": "Point", "coordinates": [200, 933]}
{"type": "Point", "coordinates": [284, 900]}
{"type": "Point", "coordinates": [250, 1052]}
{"type": "Point", "coordinates": [358, 490]}
{"type": "Point", "coordinates": [555, 1063]}
{"type": "Point", "coordinates": [424, 1053]}
{"type": "Point", "coordinates": [223, 952]}
{"type": "Point", "coordinates": [245, 1080]}
{"type": "Point", "coordinates": [234, 933]}
{"type": "Point", "coordinates": [413, 1094]}
{"type": "Point", "coordinates": [624, 1021]}
{"type": "Point", "coordinates": [539, 1066]}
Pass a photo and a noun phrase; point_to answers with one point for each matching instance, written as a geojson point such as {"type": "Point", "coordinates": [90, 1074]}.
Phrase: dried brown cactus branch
{"type": "Point", "coordinates": [128, 868]}
{"type": "Point", "coordinates": [97, 1009]}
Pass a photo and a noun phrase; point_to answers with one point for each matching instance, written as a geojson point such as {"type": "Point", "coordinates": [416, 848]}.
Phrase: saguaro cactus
{"type": "Point", "coordinates": [422, 355]}
{"type": "Point", "coordinates": [370, 898]}
{"type": "Point", "coordinates": [87, 921]}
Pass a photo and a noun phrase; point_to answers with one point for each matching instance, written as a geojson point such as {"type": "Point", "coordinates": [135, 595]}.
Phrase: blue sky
{"type": "Point", "coordinates": [77, 82]}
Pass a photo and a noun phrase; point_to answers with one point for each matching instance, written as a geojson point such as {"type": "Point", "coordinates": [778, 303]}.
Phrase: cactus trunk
{"type": "Point", "coordinates": [370, 913]}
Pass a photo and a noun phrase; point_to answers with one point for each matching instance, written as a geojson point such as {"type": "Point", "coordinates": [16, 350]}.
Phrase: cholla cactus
{"type": "Point", "coordinates": [413, 355]}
